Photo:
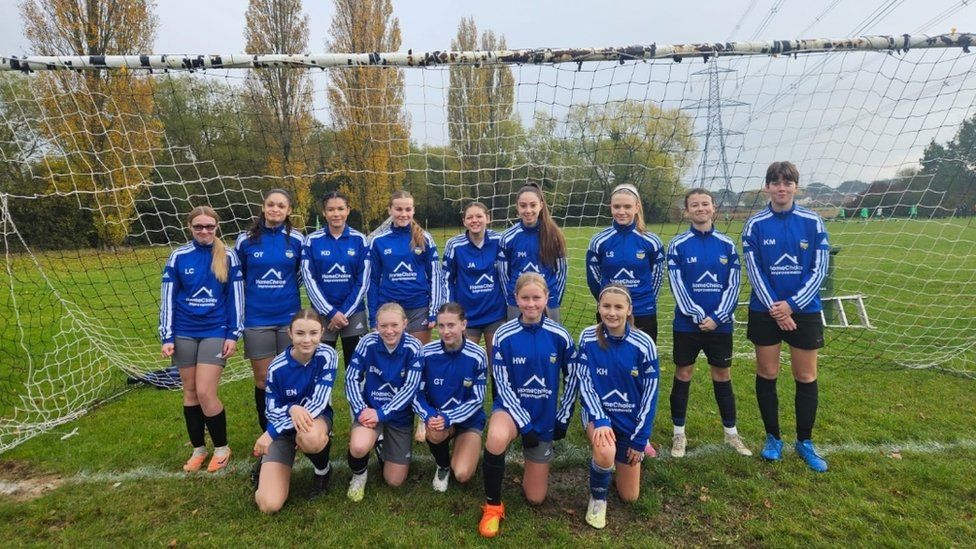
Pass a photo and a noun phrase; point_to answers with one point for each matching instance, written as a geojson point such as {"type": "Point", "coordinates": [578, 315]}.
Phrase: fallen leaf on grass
{"type": "Point", "coordinates": [767, 504]}
{"type": "Point", "coordinates": [172, 543]}
{"type": "Point", "coordinates": [895, 454]}
{"type": "Point", "coordinates": [703, 498]}
{"type": "Point", "coordinates": [116, 485]}
{"type": "Point", "coordinates": [569, 511]}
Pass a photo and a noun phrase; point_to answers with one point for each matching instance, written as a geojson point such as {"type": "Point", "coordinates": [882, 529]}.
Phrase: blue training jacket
{"type": "Point", "coordinates": [703, 268]}
{"type": "Point", "coordinates": [529, 361]}
{"type": "Point", "coordinates": [622, 254]}
{"type": "Point", "coordinates": [472, 280]}
{"type": "Point", "coordinates": [384, 380]}
{"type": "Point", "coordinates": [453, 385]}
{"type": "Point", "coordinates": [619, 384]}
{"type": "Point", "coordinates": [786, 255]}
{"type": "Point", "coordinates": [518, 253]}
{"type": "Point", "coordinates": [272, 275]}
{"type": "Point", "coordinates": [400, 272]}
{"type": "Point", "coordinates": [194, 303]}
{"type": "Point", "coordinates": [336, 271]}
{"type": "Point", "coordinates": [308, 385]}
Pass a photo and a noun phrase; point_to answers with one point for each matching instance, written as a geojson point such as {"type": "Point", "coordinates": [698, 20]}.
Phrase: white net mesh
{"type": "Point", "coordinates": [99, 174]}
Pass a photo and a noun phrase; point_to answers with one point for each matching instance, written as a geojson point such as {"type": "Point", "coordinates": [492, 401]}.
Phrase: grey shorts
{"type": "Point", "coordinates": [283, 449]}
{"type": "Point", "coordinates": [476, 333]}
{"type": "Point", "coordinates": [190, 351]}
{"type": "Point", "coordinates": [543, 453]}
{"type": "Point", "coordinates": [265, 341]}
{"type": "Point", "coordinates": [417, 320]}
{"type": "Point", "coordinates": [397, 442]}
{"type": "Point", "coordinates": [553, 314]}
{"type": "Point", "coordinates": [357, 326]}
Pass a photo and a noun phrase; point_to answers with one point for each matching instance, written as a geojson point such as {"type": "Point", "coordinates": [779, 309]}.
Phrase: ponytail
{"type": "Point", "coordinates": [552, 243]}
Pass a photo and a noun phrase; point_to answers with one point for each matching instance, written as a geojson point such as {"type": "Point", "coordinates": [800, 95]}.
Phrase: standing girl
{"type": "Point", "coordinates": [199, 323]}
{"type": "Point", "coordinates": [627, 254]}
{"type": "Point", "coordinates": [404, 269]}
{"type": "Point", "coordinates": [451, 395]}
{"type": "Point", "coordinates": [299, 407]}
{"type": "Point", "coordinates": [270, 254]}
{"type": "Point", "coordinates": [618, 370]}
{"type": "Point", "coordinates": [335, 267]}
{"type": "Point", "coordinates": [381, 382]}
{"type": "Point", "coordinates": [703, 268]}
{"type": "Point", "coordinates": [786, 251]}
{"type": "Point", "coordinates": [471, 275]}
{"type": "Point", "coordinates": [534, 244]}
{"type": "Point", "coordinates": [532, 354]}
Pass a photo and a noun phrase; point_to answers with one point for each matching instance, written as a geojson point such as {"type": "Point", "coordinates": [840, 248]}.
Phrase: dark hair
{"type": "Point", "coordinates": [698, 190]}
{"type": "Point", "coordinates": [618, 289]}
{"type": "Point", "coordinates": [416, 231]}
{"type": "Point", "coordinates": [307, 314]}
{"type": "Point", "coordinates": [784, 169]}
{"type": "Point", "coordinates": [552, 243]}
{"type": "Point", "coordinates": [474, 204]}
{"type": "Point", "coordinates": [254, 232]}
{"type": "Point", "coordinates": [452, 308]}
{"type": "Point", "coordinates": [334, 195]}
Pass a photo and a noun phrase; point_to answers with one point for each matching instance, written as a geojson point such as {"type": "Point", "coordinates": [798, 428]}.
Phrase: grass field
{"type": "Point", "coordinates": [900, 442]}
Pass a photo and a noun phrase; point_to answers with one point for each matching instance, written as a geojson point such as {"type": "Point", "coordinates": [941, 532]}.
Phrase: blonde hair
{"type": "Point", "coordinates": [391, 307]}
{"type": "Point", "coordinates": [416, 231]}
{"type": "Point", "coordinates": [552, 243]}
{"type": "Point", "coordinates": [616, 289]}
{"type": "Point", "coordinates": [218, 255]}
{"type": "Point", "coordinates": [639, 211]}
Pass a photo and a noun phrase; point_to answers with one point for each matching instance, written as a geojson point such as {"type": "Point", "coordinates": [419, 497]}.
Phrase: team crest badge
{"type": "Point", "coordinates": [634, 373]}
{"type": "Point", "coordinates": [418, 250]}
{"type": "Point", "coordinates": [351, 252]}
{"type": "Point", "coordinates": [641, 254]}
{"type": "Point", "coordinates": [723, 259]}
{"type": "Point", "coordinates": [468, 382]}
{"type": "Point", "coordinates": [289, 254]}
{"type": "Point", "coordinates": [552, 359]}
{"type": "Point", "coordinates": [804, 244]}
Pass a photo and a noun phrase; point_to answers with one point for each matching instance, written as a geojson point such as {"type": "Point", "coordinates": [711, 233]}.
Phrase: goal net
{"type": "Point", "coordinates": [103, 157]}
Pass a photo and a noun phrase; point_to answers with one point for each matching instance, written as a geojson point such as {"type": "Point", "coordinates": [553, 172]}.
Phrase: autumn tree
{"type": "Point", "coordinates": [367, 107]}
{"type": "Point", "coordinates": [480, 116]}
{"type": "Point", "coordinates": [96, 121]}
{"type": "Point", "coordinates": [281, 98]}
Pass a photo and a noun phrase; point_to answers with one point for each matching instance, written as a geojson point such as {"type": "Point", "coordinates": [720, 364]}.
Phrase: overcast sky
{"type": "Point", "coordinates": [216, 26]}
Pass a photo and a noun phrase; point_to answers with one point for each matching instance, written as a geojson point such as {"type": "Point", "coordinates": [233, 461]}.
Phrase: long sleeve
{"type": "Point", "coordinates": [407, 392]}
{"type": "Point", "coordinates": [448, 267]}
{"type": "Point", "coordinates": [310, 273]}
{"type": "Point", "coordinates": [570, 385]}
{"type": "Point", "coordinates": [686, 304]}
{"type": "Point", "coordinates": [509, 399]}
{"type": "Point", "coordinates": [562, 271]}
{"type": "Point", "coordinates": [279, 420]}
{"type": "Point", "coordinates": [465, 410]}
{"type": "Point", "coordinates": [420, 404]}
{"type": "Point", "coordinates": [594, 276]}
{"type": "Point", "coordinates": [235, 298]}
{"type": "Point", "coordinates": [167, 303]}
{"type": "Point", "coordinates": [360, 283]}
{"type": "Point", "coordinates": [588, 394]}
{"type": "Point", "coordinates": [436, 279]}
{"type": "Point", "coordinates": [730, 295]}
{"type": "Point", "coordinates": [503, 268]}
{"type": "Point", "coordinates": [757, 275]}
{"type": "Point", "coordinates": [374, 272]}
{"type": "Point", "coordinates": [813, 278]}
{"type": "Point", "coordinates": [648, 405]}
{"type": "Point", "coordinates": [322, 395]}
{"type": "Point", "coordinates": [354, 380]}
{"type": "Point", "coordinates": [657, 268]}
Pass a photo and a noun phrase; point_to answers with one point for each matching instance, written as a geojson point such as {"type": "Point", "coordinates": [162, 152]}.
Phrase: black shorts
{"type": "Point", "coordinates": [808, 335]}
{"type": "Point", "coordinates": [717, 348]}
{"type": "Point", "coordinates": [644, 323]}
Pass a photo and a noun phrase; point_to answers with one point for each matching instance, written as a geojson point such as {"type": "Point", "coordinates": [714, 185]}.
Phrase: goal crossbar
{"type": "Point", "coordinates": [676, 52]}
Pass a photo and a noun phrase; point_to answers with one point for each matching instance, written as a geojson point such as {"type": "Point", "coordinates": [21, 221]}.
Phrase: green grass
{"type": "Point", "coordinates": [920, 282]}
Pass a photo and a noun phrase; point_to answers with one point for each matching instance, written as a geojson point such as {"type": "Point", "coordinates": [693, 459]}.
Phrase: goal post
{"type": "Point", "coordinates": [102, 157]}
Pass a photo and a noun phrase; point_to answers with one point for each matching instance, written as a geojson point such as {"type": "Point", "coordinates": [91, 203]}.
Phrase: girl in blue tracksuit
{"type": "Point", "coordinates": [299, 410]}
{"type": "Point", "coordinates": [270, 254]}
{"type": "Point", "coordinates": [627, 253]}
{"type": "Point", "coordinates": [381, 382]}
{"type": "Point", "coordinates": [534, 244]}
{"type": "Point", "coordinates": [471, 275]}
{"type": "Point", "coordinates": [335, 268]}
{"type": "Point", "coordinates": [451, 397]}
{"type": "Point", "coordinates": [532, 353]}
{"type": "Point", "coordinates": [618, 370]}
{"type": "Point", "coordinates": [786, 252]}
{"type": "Point", "coordinates": [703, 268]}
{"type": "Point", "coordinates": [404, 269]}
{"type": "Point", "coordinates": [199, 324]}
